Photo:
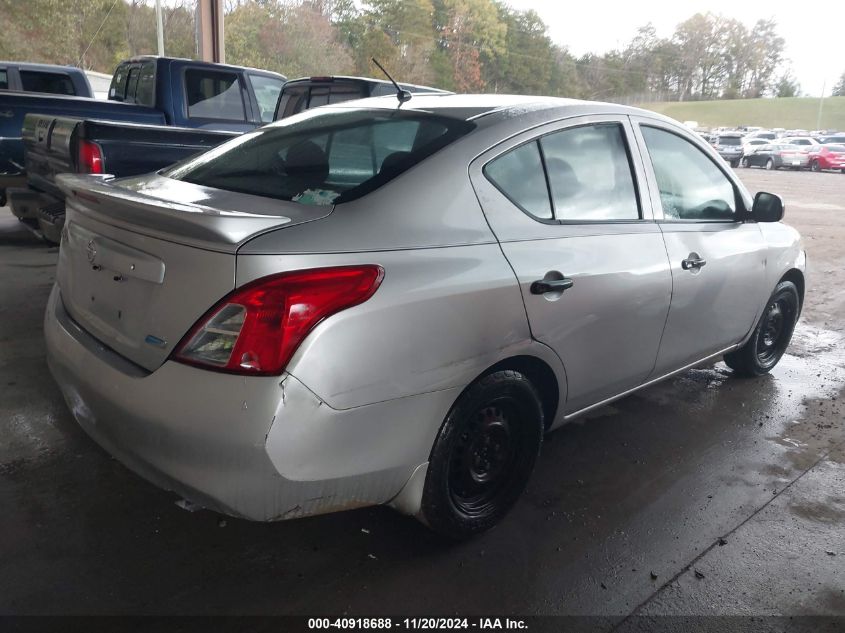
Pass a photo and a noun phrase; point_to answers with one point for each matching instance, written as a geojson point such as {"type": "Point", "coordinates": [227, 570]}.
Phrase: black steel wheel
{"type": "Point", "coordinates": [483, 456]}
{"type": "Point", "coordinates": [772, 335]}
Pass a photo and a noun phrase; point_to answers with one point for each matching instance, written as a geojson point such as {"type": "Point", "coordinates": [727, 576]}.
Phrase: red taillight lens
{"type": "Point", "coordinates": [90, 158]}
{"type": "Point", "coordinates": [257, 328]}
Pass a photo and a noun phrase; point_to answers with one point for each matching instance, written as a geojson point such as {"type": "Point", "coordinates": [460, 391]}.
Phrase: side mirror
{"type": "Point", "coordinates": [767, 207]}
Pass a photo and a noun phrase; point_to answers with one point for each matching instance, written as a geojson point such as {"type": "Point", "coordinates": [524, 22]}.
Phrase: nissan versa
{"type": "Point", "coordinates": [381, 302]}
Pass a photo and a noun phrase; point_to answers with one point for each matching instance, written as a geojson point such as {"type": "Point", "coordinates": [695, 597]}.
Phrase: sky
{"type": "Point", "coordinates": [601, 25]}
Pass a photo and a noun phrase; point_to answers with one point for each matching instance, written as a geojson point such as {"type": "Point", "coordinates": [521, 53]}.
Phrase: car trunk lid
{"type": "Point", "coordinates": [136, 269]}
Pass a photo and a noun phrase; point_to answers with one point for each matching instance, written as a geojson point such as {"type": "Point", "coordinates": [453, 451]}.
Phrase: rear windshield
{"type": "Point", "coordinates": [836, 149]}
{"type": "Point", "coordinates": [769, 135]}
{"type": "Point", "coordinates": [323, 156]}
{"type": "Point", "coordinates": [730, 140]}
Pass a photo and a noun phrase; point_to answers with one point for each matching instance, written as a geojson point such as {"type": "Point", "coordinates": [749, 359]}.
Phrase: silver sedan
{"type": "Point", "coordinates": [391, 303]}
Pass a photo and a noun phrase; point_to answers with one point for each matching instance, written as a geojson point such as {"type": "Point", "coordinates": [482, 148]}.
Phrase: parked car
{"type": "Point", "coordinates": [765, 134]}
{"type": "Point", "coordinates": [57, 145]}
{"type": "Point", "coordinates": [150, 90]}
{"type": "Point", "coordinates": [836, 139]}
{"type": "Point", "coordinates": [729, 147]}
{"type": "Point", "coordinates": [44, 78]}
{"type": "Point", "coordinates": [380, 302]}
{"type": "Point", "coordinates": [828, 156]}
{"type": "Point", "coordinates": [777, 156]}
{"type": "Point", "coordinates": [749, 145]}
{"type": "Point", "coordinates": [801, 141]}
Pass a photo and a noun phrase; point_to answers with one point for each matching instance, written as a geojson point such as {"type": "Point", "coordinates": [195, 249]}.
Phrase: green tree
{"type": "Point", "coordinates": [787, 86]}
{"type": "Point", "coordinates": [839, 88]}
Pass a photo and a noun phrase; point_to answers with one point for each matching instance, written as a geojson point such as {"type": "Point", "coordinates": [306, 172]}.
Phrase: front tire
{"type": "Point", "coordinates": [771, 336]}
{"type": "Point", "coordinates": [483, 456]}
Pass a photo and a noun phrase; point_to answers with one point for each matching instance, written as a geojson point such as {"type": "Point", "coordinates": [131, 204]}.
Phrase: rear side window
{"type": "Point", "coordinates": [324, 157]}
{"type": "Point", "coordinates": [53, 83]}
{"type": "Point", "coordinates": [691, 186]}
{"type": "Point", "coordinates": [266, 91]}
{"type": "Point", "coordinates": [4, 80]}
{"type": "Point", "coordinates": [590, 174]}
{"type": "Point", "coordinates": [214, 95]}
{"type": "Point", "coordinates": [519, 176]}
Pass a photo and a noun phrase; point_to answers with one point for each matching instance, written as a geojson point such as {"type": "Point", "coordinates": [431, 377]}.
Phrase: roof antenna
{"type": "Point", "coordinates": [402, 95]}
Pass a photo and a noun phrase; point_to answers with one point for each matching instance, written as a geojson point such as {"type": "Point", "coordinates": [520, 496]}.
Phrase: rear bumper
{"type": "Point", "coordinates": [261, 448]}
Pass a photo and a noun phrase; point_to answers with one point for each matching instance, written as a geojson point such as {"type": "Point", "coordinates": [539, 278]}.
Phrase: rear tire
{"type": "Point", "coordinates": [770, 164]}
{"type": "Point", "coordinates": [771, 336]}
{"type": "Point", "coordinates": [734, 163]}
{"type": "Point", "coordinates": [814, 166]}
{"type": "Point", "coordinates": [483, 456]}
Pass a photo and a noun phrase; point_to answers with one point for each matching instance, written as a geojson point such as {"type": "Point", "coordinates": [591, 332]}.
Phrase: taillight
{"type": "Point", "coordinates": [258, 327]}
{"type": "Point", "coordinates": [90, 158]}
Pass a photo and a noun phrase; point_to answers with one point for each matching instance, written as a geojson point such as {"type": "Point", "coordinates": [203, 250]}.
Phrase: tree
{"type": "Point", "coordinates": [787, 86]}
{"type": "Point", "coordinates": [839, 88]}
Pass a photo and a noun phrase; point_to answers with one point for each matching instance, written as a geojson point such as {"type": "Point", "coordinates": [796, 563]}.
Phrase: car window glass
{"type": "Point", "coordinates": [519, 175]}
{"type": "Point", "coordinates": [691, 186]}
{"type": "Point", "coordinates": [53, 83]}
{"type": "Point", "coordinates": [145, 90]}
{"type": "Point", "coordinates": [214, 95]}
{"type": "Point", "coordinates": [319, 96]}
{"type": "Point", "coordinates": [590, 174]}
{"type": "Point", "coordinates": [323, 157]}
{"type": "Point", "coordinates": [117, 90]}
{"type": "Point", "coordinates": [340, 93]}
{"type": "Point", "coordinates": [4, 80]}
{"type": "Point", "coordinates": [132, 84]}
{"type": "Point", "coordinates": [266, 91]}
{"type": "Point", "coordinates": [294, 100]}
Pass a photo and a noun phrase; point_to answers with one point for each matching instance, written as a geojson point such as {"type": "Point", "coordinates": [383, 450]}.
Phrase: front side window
{"type": "Point", "coordinates": [519, 175]}
{"type": "Point", "coordinates": [52, 83]}
{"type": "Point", "coordinates": [691, 186]}
{"type": "Point", "coordinates": [323, 157]}
{"type": "Point", "coordinates": [214, 95]}
{"type": "Point", "coordinates": [590, 174]}
{"type": "Point", "coordinates": [266, 91]}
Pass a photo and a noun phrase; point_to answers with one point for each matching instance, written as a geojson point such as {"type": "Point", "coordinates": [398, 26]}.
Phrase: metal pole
{"type": "Point", "coordinates": [159, 29]}
{"type": "Point", "coordinates": [821, 105]}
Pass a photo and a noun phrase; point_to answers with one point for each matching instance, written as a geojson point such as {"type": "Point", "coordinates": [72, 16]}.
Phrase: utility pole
{"type": "Point", "coordinates": [821, 106]}
{"type": "Point", "coordinates": [159, 29]}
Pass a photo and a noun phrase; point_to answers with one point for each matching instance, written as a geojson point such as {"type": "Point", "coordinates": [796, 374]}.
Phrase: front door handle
{"type": "Point", "coordinates": [693, 262]}
{"type": "Point", "coordinates": [542, 286]}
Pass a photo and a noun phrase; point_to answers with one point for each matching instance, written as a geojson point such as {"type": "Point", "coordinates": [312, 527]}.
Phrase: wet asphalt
{"type": "Point", "coordinates": [705, 494]}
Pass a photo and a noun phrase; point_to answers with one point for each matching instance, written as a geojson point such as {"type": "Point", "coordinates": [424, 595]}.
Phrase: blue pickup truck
{"type": "Point", "coordinates": [152, 91]}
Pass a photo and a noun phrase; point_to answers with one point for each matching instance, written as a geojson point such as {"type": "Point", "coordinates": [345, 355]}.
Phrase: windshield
{"type": "Point", "coordinates": [729, 140]}
{"type": "Point", "coordinates": [323, 156]}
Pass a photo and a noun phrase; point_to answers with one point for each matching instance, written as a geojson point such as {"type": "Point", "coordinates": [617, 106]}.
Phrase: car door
{"type": "Point", "coordinates": [589, 259]}
{"type": "Point", "coordinates": [718, 259]}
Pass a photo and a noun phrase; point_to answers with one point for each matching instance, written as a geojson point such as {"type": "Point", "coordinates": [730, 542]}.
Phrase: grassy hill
{"type": "Point", "coordinates": [789, 113]}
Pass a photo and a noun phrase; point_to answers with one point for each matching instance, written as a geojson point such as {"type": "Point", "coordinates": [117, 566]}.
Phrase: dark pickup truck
{"type": "Point", "coordinates": [152, 91]}
{"type": "Point", "coordinates": [56, 145]}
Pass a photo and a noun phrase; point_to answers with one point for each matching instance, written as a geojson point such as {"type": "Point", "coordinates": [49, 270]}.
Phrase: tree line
{"type": "Point", "coordinates": [461, 45]}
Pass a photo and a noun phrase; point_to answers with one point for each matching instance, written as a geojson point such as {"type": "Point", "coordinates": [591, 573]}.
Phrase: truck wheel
{"type": "Point", "coordinates": [771, 336]}
{"type": "Point", "coordinates": [483, 455]}
{"type": "Point", "coordinates": [735, 163]}
{"type": "Point", "coordinates": [743, 162]}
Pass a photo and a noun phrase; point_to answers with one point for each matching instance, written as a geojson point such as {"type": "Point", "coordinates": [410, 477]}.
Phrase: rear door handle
{"type": "Point", "coordinates": [542, 286]}
{"type": "Point", "coordinates": [693, 262]}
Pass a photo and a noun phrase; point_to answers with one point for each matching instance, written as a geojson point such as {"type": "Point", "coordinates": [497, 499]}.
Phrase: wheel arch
{"type": "Point", "coordinates": [797, 277]}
